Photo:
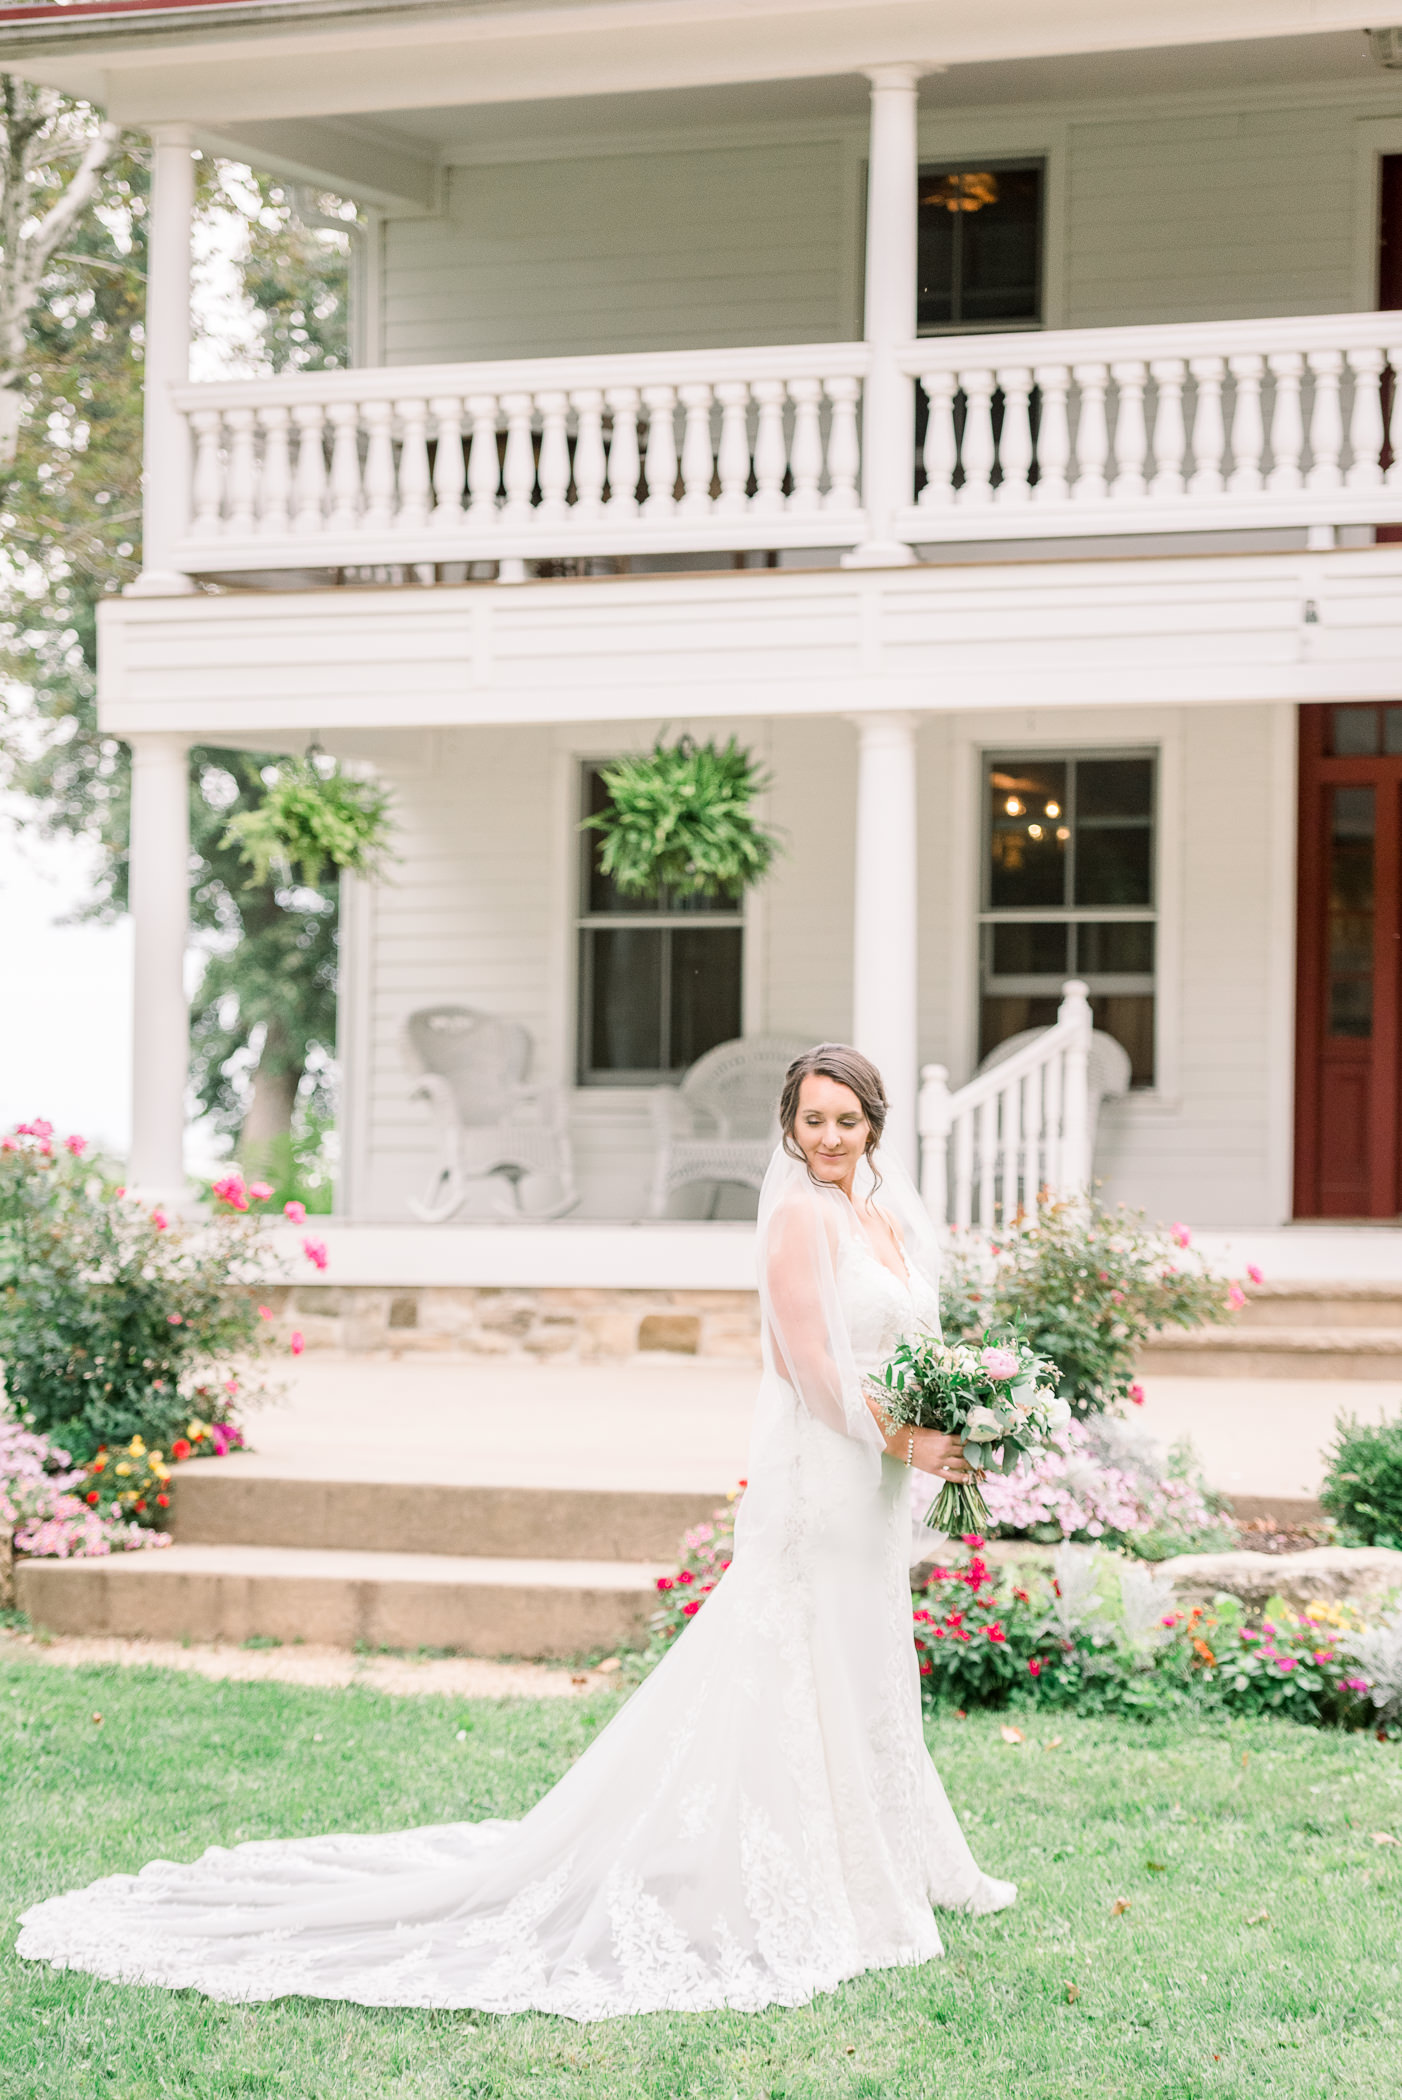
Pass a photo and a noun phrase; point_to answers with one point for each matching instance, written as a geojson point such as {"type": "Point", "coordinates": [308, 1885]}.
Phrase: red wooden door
{"type": "Point", "coordinates": [1348, 1079]}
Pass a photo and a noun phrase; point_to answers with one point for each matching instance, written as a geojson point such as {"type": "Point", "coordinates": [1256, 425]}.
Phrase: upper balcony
{"type": "Point", "coordinates": [1110, 434]}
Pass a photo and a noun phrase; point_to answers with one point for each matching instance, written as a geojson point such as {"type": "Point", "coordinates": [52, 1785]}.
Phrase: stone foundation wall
{"type": "Point", "coordinates": [587, 1324]}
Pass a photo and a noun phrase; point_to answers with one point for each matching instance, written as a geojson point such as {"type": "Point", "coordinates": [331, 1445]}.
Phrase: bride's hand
{"type": "Point", "coordinates": [941, 1455]}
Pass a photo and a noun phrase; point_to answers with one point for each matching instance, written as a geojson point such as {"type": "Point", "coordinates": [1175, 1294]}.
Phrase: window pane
{"type": "Point", "coordinates": [1129, 1018]}
{"type": "Point", "coordinates": [622, 971]}
{"type": "Point", "coordinates": [1003, 1016]}
{"type": "Point", "coordinates": [1114, 864]}
{"type": "Point", "coordinates": [1114, 787]}
{"type": "Point", "coordinates": [1031, 949]}
{"type": "Point", "coordinates": [1001, 241]}
{"type": "Point", "coordinates": [1355, 732]}
{"type": "Point", "coordinates": [1115, 950]}
{"type": "Point", "coordinates": [1392, 721]}
{"type": "Point", "coordinates": [979, 246]}
{"type": "Point", "coordinates": [1349, 912]}
{"type": "Point", "coordinates": [600, 894]}
{"type": "Point", "coordinates": [705, 990]}
{"type": "Point", "coordinates": [1029, 834]}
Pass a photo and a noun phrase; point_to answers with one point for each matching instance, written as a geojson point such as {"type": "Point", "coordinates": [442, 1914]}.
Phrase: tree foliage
{"type": "Point", "coordinates": [263, 1019]}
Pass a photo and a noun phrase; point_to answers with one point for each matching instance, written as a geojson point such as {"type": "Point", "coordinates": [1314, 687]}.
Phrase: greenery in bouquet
{"type": "Point", "coordinates": [993, 1394]}
{"type": "Point", "coordinates": [1087, 1286]}
{"type": "Point", "coordinates": [1362, 1488]}
{"type": "Point", "coordinates": [118, 1320]}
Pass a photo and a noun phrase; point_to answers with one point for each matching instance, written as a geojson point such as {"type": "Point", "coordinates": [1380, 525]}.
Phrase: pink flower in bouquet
{"type": "Point", "coordinates": [260, 1191]}
{"type": "Point", "coordinates": [76, 1145]}
{"type": "Point", "coordinates": [999, 1363]}
{"type": "Point", "coordinates": [1236, 1298]}
{"type": "Point", "coordinates": [297, 1345]}
{"type": "Point", "coordinates": [1254, 1273]}
{"type": "Point", "coordinates": [295, 1213]}
{"type": "Point", "coordinates": [1181, 1236]}
{"type": "Point", "coordinates": [315, 1251]}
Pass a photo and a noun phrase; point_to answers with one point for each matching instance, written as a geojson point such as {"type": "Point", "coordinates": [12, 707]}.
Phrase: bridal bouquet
{"type": "Point", "coordinates": [995, 1395]}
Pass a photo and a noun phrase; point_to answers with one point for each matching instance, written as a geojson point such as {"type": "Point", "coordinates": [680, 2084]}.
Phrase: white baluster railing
{"type": "Point", "coordinates": [1180, 427]}
{"type": "Point", "coordinates": [552, 458]}
{"type": "Point", "coordinates": [990, 1150]}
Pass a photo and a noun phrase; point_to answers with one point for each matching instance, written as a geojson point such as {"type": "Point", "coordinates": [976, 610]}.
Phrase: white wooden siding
{"type": "Point", "coordinates": [470, 915]}
{"type": "Point", "coordinates": [1166, 213]}
{"type": "Point", "coordinates": [718, 247]}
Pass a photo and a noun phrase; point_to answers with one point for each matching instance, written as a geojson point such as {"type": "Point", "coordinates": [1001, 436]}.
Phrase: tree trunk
{"type": "Point", "coordinates": [267, 1127]}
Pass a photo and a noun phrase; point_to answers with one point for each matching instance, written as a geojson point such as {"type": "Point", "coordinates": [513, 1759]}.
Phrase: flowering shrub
{"type": "Point", "coordinates": [1363, 1482]}
{"type": "Point", "coordinates": [1088, 1285]}
{"type": "Point", "coordinates": [705, 1556]}
{"type": "Point", "coordinates": [42, 1515]}
{"type": "Point", "coordinates": [1100, 1634]}
{"type": "Point", "coordinates": [1096, 1484]}
{"type": "Point", "coordinates": [117, 1321]}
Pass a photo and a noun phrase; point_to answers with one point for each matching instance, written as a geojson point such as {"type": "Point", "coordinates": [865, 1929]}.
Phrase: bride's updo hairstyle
{"type": "Point", "coordinates": [849, 1068]}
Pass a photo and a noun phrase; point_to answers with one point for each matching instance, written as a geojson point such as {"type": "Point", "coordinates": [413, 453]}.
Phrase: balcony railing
{"type": "Point", "coordinates": [1208, 426]}
{"type": "Point", "coordinates": [689, 451]}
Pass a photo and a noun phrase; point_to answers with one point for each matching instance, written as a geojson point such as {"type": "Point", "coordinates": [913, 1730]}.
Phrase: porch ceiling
{"type": "Point", "coordinates": [430, 80]}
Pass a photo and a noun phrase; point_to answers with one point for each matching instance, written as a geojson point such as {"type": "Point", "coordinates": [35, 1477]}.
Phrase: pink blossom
{"type": "Point", "coordinates": [160, 1221]}
{"type": "Point", "coordinates": [260, 1191]}
{"type": "Point", "coordinates": [76, 1145]}
{"type": "Point", "coordinates": [265, 1312]}
{"type": "Point", "coordinates": [8, 1145]}
{"type": "Point", "coordinates": [315, 1251]}
{"type": "Point", "coordinates": [120, 1192]}
{"type": "Point", "coordinates": [224, 1436]}
{"type": "Point", "coordinates": [1354, 1684]}
{"type": "Point", "coordinates": [231, 1190]}
{"type": "Point", "coordinates": [1254, 1273]}
{"type": "Point", "coordinates": [1035, 1667]}
{"type": "Point", "coordinates": [37, 1129]}
{"type": "Point", "coordinates": [1181, 1236]}
{"type": "Point", "coordinates": [999, 1363]}
{"type": "Point", "coordinates": [175, 1319]}
{"type": "Point", "coordinates": [1236, 1298]}
{"type": "Point", "coordinates": [1136, 1394]}
{"type": "Point", "coordinates": [231, 1385]}
{"type": "Point", "coordinates": [297, 1344]}
{"type": "Point", "coordinates": [296, 1213]}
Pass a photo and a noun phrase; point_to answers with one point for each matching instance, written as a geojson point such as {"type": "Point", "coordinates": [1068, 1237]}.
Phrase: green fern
{"type": "Point", "coordinates": [308, 820]}
{"type": "Point", "coordinates": [680, 820]}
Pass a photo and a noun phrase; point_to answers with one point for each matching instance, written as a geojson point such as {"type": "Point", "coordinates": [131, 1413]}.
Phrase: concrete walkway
{"type": "Point", "coordinates": [675, 1424]}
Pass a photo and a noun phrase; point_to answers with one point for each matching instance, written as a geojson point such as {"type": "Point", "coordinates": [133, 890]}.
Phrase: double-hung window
{"type": "Point", "coordinates": [659, 979]}
{"type": "Point", "coordinates": [1068, 891]}
{"type": "Point", "coordinates": [980, 247]}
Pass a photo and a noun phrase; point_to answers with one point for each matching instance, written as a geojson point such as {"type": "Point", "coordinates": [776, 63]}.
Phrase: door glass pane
{"type": "Point", "coordinates": [623, 972]}
{"type": "Point", "coordinates": [705, 999]}
{"type": "Point", "coordinates": [1355, 732]}
{"type": "Point", "coordinates": [1115, 950]}
{"type": "Point", "coordinates": [1030, 948]}
{"type": "Point", "coordinates": [1392, 724]}
{"type": "Point", "coordinates": [1349, 911]}
{"type": "Point", "coordinates": [1029, 834]}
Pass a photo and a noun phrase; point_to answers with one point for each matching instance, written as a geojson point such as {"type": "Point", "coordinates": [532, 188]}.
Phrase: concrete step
{"type": "Point", "coordinates": [238, 1501]}
{"type": "Point", "coordinates": [1361, 1353]}
{"type": "Point", "coordinates": [549, 1609]}
{"type": "Point", "coordinates": [1332, 1305]}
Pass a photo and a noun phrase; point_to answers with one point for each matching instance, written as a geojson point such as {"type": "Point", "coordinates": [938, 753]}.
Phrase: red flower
{"type": "Point", "coordinates": [1035, 1667]}
{"type": "Point", "coordinates": [684, 1575]}
{"type": "Point", "coordinates": [163, 1501]}
{"type": "Point", "coordinates": [688, 1609]}
{"type": "Point", "coordinates": [93, 1497]}
{"type": "Point", "coordinates": [1022, 1596]}
{"type": "Point", "coordinates": [664, 1582]}
{"type": "Point", "coordinates": [180, 1448]}
{"type": "Point", "coordinates": [139, 1505]}
{"type": "Point", "coordinates": [926, 1668]}
{"type": "Point", "coordinates": [995, 1632]}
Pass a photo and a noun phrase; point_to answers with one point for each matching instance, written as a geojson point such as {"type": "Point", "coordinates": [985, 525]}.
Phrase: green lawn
{"type": "Point", "coordinates": [1261, 1952]}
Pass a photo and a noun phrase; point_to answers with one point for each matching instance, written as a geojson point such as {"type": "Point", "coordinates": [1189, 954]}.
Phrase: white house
{"type": "Point", "coordinates": [981, 412]}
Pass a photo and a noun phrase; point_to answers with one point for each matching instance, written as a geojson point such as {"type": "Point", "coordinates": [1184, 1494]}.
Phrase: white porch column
{"type": "Point", "coordinates": [159, 894]}
{"type": "Point", "coordinates": [888, 407]}
{"type": "Point", "coordinates": [884, 961]}
{"type": "Point", "coordinates": [165, 450]}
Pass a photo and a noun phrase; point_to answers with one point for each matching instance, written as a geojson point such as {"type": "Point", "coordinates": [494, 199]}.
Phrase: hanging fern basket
{"type": "Point", "coordinates": [314, 817]}
{"type": "Point", "coordinates": [680, 820]}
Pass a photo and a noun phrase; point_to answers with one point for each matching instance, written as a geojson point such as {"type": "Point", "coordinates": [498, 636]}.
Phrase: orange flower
{"type": "Point", "coordinates": [1204, 1651]}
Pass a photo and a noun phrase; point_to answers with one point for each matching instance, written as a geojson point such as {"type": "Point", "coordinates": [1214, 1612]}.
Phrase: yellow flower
{"type": "Point", "coordinates": [136, 1445]}
{"type": "Point", "coordinates": [195, 1429]}
{"type": "Point", "coordinates": [156, 1457]}
{"type": "Point", "coordinates": [122, 1466]}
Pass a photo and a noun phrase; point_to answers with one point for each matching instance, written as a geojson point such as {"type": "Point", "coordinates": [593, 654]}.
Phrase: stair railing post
{"type": "Point", "coordinates": [1075, 1018]}
{"type": "Point", "coordinates": [933, 1118]}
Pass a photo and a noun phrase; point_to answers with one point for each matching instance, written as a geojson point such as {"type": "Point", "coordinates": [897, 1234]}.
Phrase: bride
{"type": "Point", "coordinates": [762, 1819]}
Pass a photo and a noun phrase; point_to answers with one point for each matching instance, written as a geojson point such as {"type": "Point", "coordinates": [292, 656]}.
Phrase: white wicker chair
{"type": "Point", "coordinates": [493, 1124]}
{"type": "Point", "coordinates": [722, 1123]}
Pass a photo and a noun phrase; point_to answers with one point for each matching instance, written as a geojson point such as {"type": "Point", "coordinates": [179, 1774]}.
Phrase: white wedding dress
{"type": "Point", "coordinates": [759, 1822]}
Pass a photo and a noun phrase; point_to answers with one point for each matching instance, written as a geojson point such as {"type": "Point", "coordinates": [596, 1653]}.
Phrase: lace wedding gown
{"type": "Point", "coordinates": [759, 1822]}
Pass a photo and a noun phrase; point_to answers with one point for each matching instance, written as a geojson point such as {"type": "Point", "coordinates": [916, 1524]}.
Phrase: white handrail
{"type": "Point", "coordinates": [1020, 1129]}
